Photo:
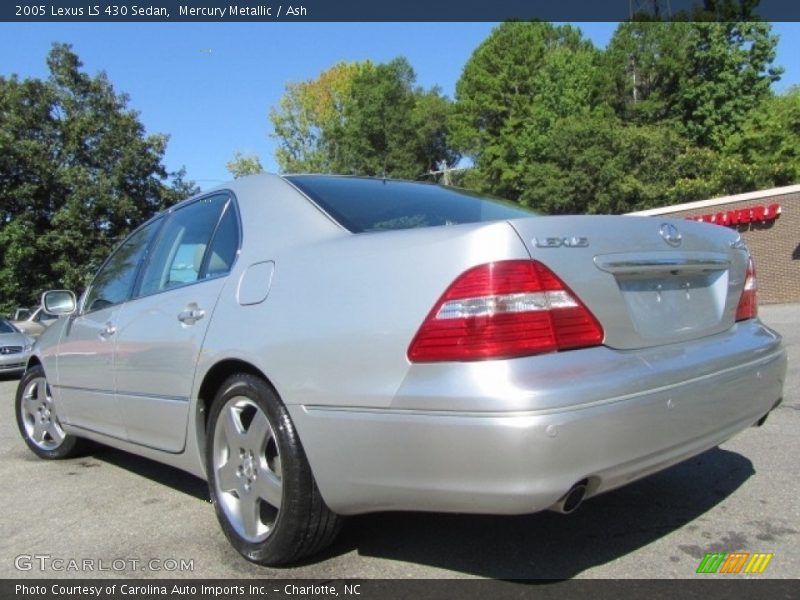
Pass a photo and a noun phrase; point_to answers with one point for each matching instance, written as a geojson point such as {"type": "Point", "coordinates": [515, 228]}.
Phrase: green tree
{"type": "Point", "coordinates": [77, 173]}
{"type": "Point", "coordinates": [305, 112]}
{"type": "Point", "coordinates": [364, 119]}
{"type": "Point", "coordinates": [765, 152]}
{"type": "Point", "coordinates": [242, 165]}
{"type": "Point", "coordinates": [729, 70]}
{"type": "Point", "coordinates": [644, 64]}
{"type": "Point", "coordinates": [670, 112]}
{"type": "Point", "coordinates": [390, 127]}
{"type": "Point", "coordinates": [517, 85]}
{"type": "Point", "coordinates": [595, 164]}
{"type": "Point", "coordinates": [702, 76]}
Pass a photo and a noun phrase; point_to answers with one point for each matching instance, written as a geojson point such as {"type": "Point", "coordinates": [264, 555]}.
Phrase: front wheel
{"type": "Point", "coordinates": [38, 421]}
{"type": "Point", "coordinates": [259, 479]}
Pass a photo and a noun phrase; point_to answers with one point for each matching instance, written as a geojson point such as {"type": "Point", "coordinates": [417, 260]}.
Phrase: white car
{"type": "Point", "coordinates": [36, 323]}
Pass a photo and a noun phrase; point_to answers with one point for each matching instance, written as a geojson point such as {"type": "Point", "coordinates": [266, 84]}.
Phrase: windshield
{"type": "Point", "coordinates": [363, 204]}
{"type": "Point", "coordinates": [6, 327]}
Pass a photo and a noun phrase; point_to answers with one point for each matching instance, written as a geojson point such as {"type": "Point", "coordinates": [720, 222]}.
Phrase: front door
{"type": "Point", "coordinates": [84, 381]}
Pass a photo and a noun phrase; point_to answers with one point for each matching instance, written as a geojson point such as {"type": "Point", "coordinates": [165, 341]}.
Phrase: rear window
{"type": "Point", "coordinates": [364, 204]}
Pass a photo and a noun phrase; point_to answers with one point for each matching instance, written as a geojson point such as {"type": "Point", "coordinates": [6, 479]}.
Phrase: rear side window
{"type": "Point", "coordinates": [225, 244]}
{"type": "Point", "coordinates": [363, 204]}
{"type": "Point", "coordinates": [179, 255]}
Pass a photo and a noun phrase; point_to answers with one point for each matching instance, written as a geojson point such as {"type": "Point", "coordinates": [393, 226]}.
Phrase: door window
{"type": "Point", "coordinates": [114, 282]}
{"type": "Point", "coordinates": [179, 256]}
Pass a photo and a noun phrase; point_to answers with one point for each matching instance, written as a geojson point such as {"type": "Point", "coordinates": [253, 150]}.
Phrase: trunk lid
{"type": "Point", "coordinates": [649, 281]}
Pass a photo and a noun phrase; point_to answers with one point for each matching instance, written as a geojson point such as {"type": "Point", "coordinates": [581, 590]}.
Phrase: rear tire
{"type": "Point", "coordinates": [38, 421]}
{"type": "Point", "coordinates": [259, 479]}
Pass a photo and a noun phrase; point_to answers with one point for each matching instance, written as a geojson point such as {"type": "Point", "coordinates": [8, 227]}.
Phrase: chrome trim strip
{"type": "Point", "coordinates": [122, 393]}
{"type": "Point", "coordinates": [662, 264]}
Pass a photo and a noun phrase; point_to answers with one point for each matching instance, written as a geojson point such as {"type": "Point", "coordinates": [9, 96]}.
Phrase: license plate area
{"type": "Point", "coordinates": [667, 305]}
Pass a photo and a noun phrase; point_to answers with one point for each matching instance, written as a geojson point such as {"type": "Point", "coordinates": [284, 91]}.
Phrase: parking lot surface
{"type": "Point", "coordinates": [149, 518]}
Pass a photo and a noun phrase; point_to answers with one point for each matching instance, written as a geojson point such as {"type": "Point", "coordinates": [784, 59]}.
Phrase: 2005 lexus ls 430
{"type": "Point", "coordinates": [319, 346]}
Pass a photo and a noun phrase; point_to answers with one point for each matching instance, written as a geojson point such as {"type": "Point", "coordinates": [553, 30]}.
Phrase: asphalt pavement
{"type": "Point", "coordinates": [132, 517]}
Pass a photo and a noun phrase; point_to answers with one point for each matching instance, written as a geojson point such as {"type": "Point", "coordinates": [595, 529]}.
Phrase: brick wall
{"type": "Point", "coordinates": [775, 244]}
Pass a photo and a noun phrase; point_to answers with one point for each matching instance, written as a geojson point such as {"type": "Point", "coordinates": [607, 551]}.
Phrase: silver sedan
{"type": "Point", "coordinates": [15, 348]}
{"type": "Point", "coordinates": [319, 346]}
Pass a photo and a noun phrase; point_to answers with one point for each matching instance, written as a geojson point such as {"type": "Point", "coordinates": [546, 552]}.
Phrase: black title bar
{"type": "Point", "coordinates": [364, 11]}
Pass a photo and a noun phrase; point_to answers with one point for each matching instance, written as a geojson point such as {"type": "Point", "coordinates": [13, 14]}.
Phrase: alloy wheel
{"type": "Point", "coordinates": [247, 469]}
{"type": "Point", "coordinates": [39, 416]}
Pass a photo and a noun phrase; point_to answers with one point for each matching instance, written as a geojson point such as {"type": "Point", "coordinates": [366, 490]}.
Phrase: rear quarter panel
{"type": "Point", "coordinates": [342, 308]}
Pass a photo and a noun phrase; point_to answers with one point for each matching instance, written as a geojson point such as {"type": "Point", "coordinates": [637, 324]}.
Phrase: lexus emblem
{"type": "Point", "coordinates": [670, 234]}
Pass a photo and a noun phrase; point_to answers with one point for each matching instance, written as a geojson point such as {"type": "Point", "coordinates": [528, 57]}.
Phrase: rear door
{"type": "Point", "coordinates": [161, 332]}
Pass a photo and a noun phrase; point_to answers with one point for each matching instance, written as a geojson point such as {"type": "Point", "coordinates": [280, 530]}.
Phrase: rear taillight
{"type": "Point", "coordinates": [503, 310]}
{"type": "Point", "coordinates": [748, 303]}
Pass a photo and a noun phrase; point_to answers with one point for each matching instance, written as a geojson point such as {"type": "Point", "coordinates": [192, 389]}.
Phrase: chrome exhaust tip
{"type": "Point", "coordinates": [570, 501]}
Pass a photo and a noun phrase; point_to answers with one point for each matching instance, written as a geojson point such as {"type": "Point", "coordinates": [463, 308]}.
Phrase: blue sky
{"type": "Point", "coordinates": [210, 85]}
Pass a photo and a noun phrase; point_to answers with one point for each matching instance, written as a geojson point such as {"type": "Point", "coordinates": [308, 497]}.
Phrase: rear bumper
{"type": "Point", "coordinates": [607, 416]}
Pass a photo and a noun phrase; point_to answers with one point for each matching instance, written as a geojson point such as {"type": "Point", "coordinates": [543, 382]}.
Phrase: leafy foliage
{"type": "Point", "coordinates": [363, 119]}
{"type": "Point", "coordinates": [77, 173]}
{"type": "Point", "coordinates": [242, 165]}
{"type": "Point", "coordinates": [516, 86]}
{"type": "Point", "coordinates": [764, 152]}
{"type": "Point", "coordinates": [727, 73]}
{"type": "Point", "coordinates": [644, 64]}
{"type": "Point", "coordinates": [670, 112]}
{"type": "Point", "coordinates": [305, 115]}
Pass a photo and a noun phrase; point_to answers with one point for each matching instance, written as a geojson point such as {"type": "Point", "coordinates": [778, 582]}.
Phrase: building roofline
{"type": "Point", "coordinates": [749, 196]}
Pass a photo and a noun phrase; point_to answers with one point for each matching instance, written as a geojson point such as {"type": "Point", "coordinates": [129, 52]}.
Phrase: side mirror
{"type": "Point", "coordinates": [59, 302]}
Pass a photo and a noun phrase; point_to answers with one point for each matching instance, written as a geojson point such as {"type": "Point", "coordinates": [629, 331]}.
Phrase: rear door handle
{"type": "Point", "coordinates": [107, 331]}
{"type": "Point", "coordinates": [191, 314]}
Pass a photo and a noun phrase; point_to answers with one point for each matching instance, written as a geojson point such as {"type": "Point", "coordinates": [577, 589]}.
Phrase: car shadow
{"type": "Point", "coordinates": [549, 545]}
{"type": "Point", "coordinates": [176, 479]}
{"type": "Point", "coordinates": [544, 545]}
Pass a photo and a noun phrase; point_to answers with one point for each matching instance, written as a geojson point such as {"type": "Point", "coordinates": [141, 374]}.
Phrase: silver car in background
{"type": "Point", "coordinates": [15, 348]}
{"type": "Point", "coordinates": [320, 346]}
